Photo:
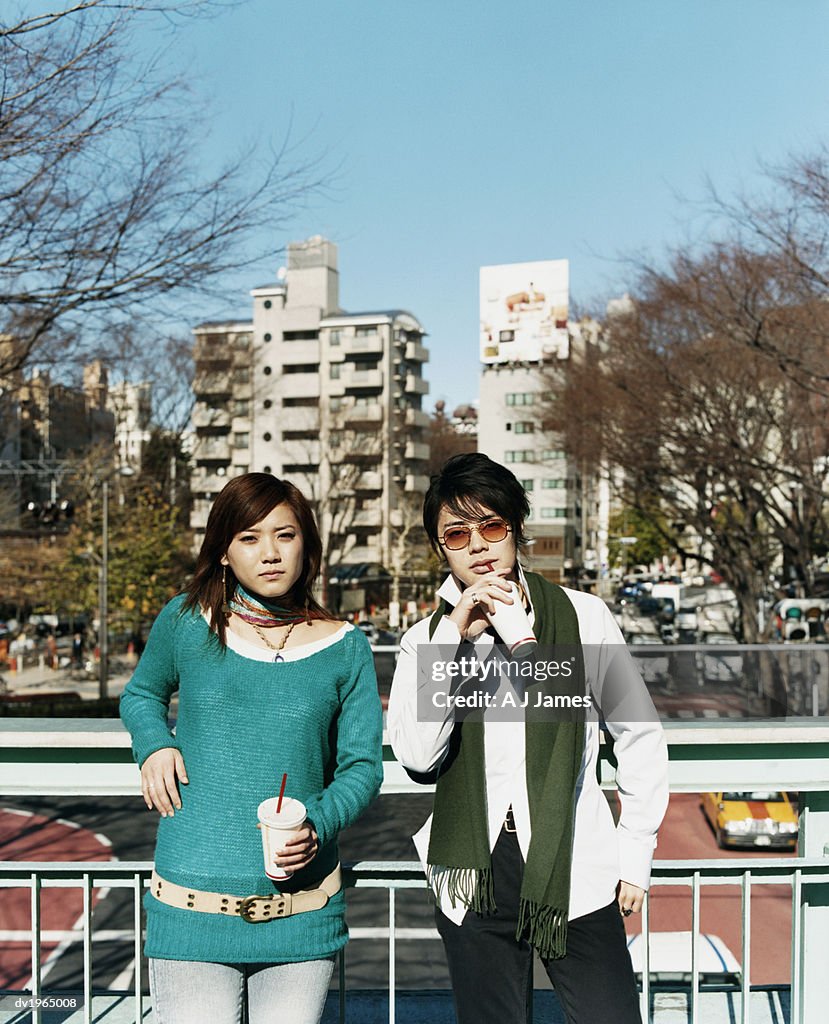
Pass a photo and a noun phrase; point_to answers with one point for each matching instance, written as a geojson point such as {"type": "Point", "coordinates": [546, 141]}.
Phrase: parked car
{"type": "Point", "coordinates": [762, 818]}
{"type": "Point", "coordinates": [670, 958]}
{"type": "Point", "coordinates": [652, 663]}
{"type": "Point", "coordinates": [716, 666]}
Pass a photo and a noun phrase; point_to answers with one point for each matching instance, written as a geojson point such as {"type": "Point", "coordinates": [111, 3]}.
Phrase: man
{"type": "Point", "coordinates": [521, 851]}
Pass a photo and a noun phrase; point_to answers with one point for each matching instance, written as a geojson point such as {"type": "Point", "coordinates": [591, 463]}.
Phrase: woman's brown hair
{"type": "Point", "coordinates": [243, 502]}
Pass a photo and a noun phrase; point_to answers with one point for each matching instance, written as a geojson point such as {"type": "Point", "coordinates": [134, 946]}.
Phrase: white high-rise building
{"type": "Point", "coordinates": [327, 399]}
{"type": "Point", "coordinates": [131, 405]}
{"type": "Point", "coordinates": [525, 335]}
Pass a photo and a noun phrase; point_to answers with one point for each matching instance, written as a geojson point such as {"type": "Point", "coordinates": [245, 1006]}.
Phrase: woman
{"type": "Point", "coordinates": [269, 683]}
{"type": "Point", "coordinates": [522, 852]}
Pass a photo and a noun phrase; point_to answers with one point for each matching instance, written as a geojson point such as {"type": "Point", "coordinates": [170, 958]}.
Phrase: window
{"type": "Point", "coordinates": [334, 371]}
{"type": "Point", "coordinates": [267, 303]}
{"type": "Point", "coordinates": [241, 375]}
{"type": "Point", "coordinates": [520, 398]}
{"type": "Point", "coordinates": [300, 435]}
{"type": "Point", "coordinates": [525, 428]}
{"type": "Point", "coordinates": [334, 337]}
{"type": "Point", "coordinates": [266, 469]}
{"type": "Point", "coordinates": [553, 484]}
{"type": "Point", "coordinates": [365, 331]}
{"type": "Point", "coordinates": [267, 371]}
{"type": "Point", "coordinates": [553, 513]}
{"type": "Point", "coordinates": [550, 454]}
{"type": "Point", "coordinates": [506, 336]}
{"type": "Point", "coordinates": [300, 467]}
{"type": "Point", "coordinates": [266, 436]}
{"type": "Point", "coordinates": [241, 407]}
{"type": "Point", "coordinates": [241, 440]}
{"type": "Point", "coordinates": [268, 337]}
{"type": "Point", "coordinates": [303, 402]}
{"type": "Point", "coordinates": [528, 485]}
{"type": "Point", "coordinates": [267, 403]}
{"type": "Point", "coordinates": [520, 456]}
{"type": "Point", "coordinates": [300, 335]}
{"type": "Point", "coordinates": [301, 368]}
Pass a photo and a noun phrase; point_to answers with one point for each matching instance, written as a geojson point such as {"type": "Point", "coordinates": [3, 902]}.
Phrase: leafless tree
{"type": "Point", "coordinates": [105, 216]}
{"type": "Point", "coordinates": [719, 436]}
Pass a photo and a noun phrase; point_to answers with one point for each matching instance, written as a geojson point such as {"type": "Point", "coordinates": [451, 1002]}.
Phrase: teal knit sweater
{"type": "Point", "coordinates": [241, 724]}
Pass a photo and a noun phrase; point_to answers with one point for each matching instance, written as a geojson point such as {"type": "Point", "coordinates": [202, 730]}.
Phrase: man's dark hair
{"type": "Point", "coordinates": [468, 482]}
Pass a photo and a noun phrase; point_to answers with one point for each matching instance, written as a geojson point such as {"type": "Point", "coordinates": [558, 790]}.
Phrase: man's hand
{"type": "Point", "coordinates": [630, 898]}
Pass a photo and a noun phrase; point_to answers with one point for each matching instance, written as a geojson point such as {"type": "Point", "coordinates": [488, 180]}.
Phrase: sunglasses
{"type": "Point", "coordinates": [458, 537]}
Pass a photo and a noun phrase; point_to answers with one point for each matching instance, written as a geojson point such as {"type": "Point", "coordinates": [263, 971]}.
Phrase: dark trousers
{"type": "Point", "coordinates": [492, 973]}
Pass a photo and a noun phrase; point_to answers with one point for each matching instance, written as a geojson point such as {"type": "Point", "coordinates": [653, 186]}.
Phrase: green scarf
{"type": "Point", "coordinates": [459, 856]}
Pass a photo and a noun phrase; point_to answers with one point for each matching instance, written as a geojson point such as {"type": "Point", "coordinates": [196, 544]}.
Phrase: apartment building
{"type": "Point", "coordinates": [526, 335]}
{"type": "Point", "coordinates": [131, 405]}
{"type": "Point", "coordinates": [327, 399]}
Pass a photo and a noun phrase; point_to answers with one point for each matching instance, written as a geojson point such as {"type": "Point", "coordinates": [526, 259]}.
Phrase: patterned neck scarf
{"type": "Point", "coordinates": [259, 612]}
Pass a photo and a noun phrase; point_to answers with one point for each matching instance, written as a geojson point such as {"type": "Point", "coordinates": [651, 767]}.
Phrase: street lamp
{"type": "Point", "coordinates": [103, 581]}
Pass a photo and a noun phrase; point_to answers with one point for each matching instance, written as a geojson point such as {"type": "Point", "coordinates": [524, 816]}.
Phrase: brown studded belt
{"type": "Point", "coordinates": [254, 909]}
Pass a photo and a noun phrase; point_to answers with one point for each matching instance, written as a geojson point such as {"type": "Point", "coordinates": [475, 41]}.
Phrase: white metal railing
{"type": "Point", "coordinates": [796, 873]}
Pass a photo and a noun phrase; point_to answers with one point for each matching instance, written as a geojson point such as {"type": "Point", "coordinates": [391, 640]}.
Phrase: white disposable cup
{"type": "Point", "coordinates": [512, 624]}
{"type": "Point", "coordinates": [276, 829]}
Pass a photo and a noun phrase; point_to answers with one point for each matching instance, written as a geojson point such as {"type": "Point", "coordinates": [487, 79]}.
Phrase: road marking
{"type": "Point", "coordinates": [124, 980]}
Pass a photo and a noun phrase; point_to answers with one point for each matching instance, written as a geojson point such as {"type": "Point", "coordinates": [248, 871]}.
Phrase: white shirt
{"type": "Point", "coordinates": [602, 852]}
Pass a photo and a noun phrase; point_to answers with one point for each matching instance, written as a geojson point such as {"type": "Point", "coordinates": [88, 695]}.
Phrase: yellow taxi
{"type": "Point", "coordinates": [762, 818]}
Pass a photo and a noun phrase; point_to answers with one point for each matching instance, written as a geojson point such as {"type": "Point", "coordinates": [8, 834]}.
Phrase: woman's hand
{"type": "Point", "coordinates": [630, 898]}
{"type": "Point", "coordinates": [158, 780]}
{"type": "Point", "coordinates": [469, 614]}
{"type": "Point", "coordinates": [298, 851]}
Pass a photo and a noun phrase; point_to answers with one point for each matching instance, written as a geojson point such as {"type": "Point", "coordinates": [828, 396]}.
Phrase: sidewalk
{"type": "Point", "coordinates": [37, 681]}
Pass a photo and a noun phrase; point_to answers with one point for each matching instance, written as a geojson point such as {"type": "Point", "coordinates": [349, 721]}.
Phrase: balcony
{"type": "Point", "coordinates": [91, 758]}
{"type": "Point", "coordinates": [416, 483]}
{"type": "Point", "coordinates": [370, 481]}
{"type": "Point", "coordinates": [416, 385]}
{"type": "Point", "coordinates": [372, 413]}
{"type": "Point", "coordinates": [354, 378]}
{"type": "Point", "coordinates": [215, 384]}
{"type": "Point", "coordinates": [416, 352]}
{"type": "Point", "coordinates": [204, 416]}
{"type": "Point", "coordinates": [216, 448]}
{"type": "Point", "coordinates": [417, 418]}
{"type": "Point", "coordinates": [417, 450]}
{"type": "Point", "coordinates": [362, 344]}
{"type": "Point", "coordinates": [209, 483]}
{"type": "Point", "coordinates": [371, 516]}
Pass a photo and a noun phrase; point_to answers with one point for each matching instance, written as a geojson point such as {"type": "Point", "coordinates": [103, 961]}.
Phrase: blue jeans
{"type": "Point", "coordinates": [192, 992]}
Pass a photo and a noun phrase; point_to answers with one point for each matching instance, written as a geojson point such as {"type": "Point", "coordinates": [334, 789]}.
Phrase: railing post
{"type": "Point", "coordinates": [814, 842]}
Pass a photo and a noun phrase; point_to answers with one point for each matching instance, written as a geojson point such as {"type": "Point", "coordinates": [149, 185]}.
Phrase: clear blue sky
{"type": "Point", "coordinates": [466, 132]}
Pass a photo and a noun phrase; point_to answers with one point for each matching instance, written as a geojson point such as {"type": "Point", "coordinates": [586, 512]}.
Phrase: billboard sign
{"type": "Point", "coordinates": [524, 311]}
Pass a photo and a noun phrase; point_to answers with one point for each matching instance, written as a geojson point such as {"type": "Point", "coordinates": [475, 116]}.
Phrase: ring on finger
{"type": "Point", "coordinates": [627, 912]}
{"type": "Point", "coordinates": [475, 598]}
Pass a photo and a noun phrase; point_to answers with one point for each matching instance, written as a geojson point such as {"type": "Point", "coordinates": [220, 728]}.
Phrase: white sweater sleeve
{"type": "Point", "coordinates": [417, 744]}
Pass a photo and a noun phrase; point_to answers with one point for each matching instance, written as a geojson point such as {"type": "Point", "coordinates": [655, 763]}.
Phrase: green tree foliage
{"type": "Point", "coordinates": [648, 526]}
{"type": "Point", "coordinates": [150, 557]}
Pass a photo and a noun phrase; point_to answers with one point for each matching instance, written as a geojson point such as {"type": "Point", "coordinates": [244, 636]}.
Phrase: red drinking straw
{"type": "Point", "coordinates": [281, 792]}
